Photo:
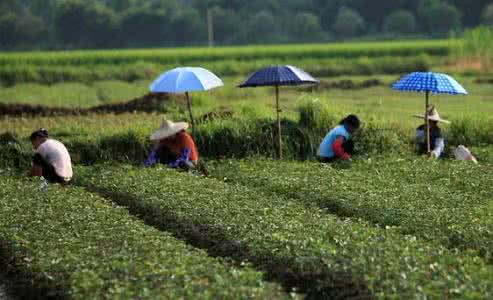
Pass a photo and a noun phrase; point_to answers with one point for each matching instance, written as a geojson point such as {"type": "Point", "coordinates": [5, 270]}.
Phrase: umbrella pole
{"type": "Point", "coordinates": [189, 103]}
{"type": "Point", "coordinates": [427, 122]}
{"type": "Point", "coordinates": [279, 141]}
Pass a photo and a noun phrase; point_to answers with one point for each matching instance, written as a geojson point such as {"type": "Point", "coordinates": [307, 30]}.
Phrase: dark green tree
{"type": "Point", "coordinates": [261, 27]}
{"type": "Point", "coordinates": [8, 28]}
{"type": "Point", "coordinates": [306, 27]}
{"type": "Point", "coordinates": [439, 17]}
{"type": "Point", "coordinates": [85, 24]}
{"type": "Point", "coordinates": [142, 27]}
{"type": "Point", "coordinates": [471, 10]}
{"type": "Point", "coordinates": [188, 28]}
{"type": "Point", "coordinates": [400, 22]}
{"type": "Point", "coordinates": [348, 23]}
{"type": "Point", "coordinates": [227, 24]}
{"type": "Point", "coordinates": [487, 16]}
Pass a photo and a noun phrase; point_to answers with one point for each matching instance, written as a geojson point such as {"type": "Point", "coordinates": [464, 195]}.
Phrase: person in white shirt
{"type": "Point", "coordinates": [51, 159]}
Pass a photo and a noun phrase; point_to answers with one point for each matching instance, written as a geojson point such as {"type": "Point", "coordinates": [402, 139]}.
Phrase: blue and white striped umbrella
{"type": "Point", "coordinates": [277, 76]}
{"type": "Point", "coordinates": [436, 83]}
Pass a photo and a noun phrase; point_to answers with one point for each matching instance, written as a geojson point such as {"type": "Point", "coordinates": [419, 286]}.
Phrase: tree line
{"type": "Point", "coordinates": [70, 24]}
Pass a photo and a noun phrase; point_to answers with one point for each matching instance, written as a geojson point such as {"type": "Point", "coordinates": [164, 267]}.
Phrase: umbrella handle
{"type": "Point", "coordinates": [427, 123]}
{"type": "Point", "coordinates": [279, 139]}
{"type": "Point", "coordinates": [189, 104]}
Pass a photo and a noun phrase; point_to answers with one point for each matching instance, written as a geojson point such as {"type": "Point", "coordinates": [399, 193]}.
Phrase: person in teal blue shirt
{"type": "Point", "coordinates": [337, 144]}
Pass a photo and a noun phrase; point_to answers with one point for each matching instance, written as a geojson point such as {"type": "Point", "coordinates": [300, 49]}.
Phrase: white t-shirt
{"type": "Point", "coordinates": [56, 155]}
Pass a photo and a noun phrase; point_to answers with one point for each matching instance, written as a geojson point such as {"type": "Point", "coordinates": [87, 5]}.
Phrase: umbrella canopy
{"type": "Point", "coordinates": [429, 82]}
{"type": "Point", "coordinates": [436, 83]}
{"type": "Point", "coordinates": [278, 76]}
{"type": "Point", "coordinates": [185, 80]}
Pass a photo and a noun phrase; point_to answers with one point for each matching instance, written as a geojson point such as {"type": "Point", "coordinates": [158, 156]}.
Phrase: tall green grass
{"type": "Point", "coordinates": [124, 138]}
{"type": "Point", "coordinates": [477, 44]}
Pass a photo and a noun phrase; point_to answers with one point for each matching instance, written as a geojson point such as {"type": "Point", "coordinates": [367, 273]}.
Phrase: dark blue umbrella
{"type": "Point", "coordinates": [429, 82]}
{"type": "Point", "coordinates": [278, 76]}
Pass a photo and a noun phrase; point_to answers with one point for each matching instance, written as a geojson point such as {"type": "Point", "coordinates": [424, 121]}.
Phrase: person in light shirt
{"type": "Point", "coordinates": [337, 144]}
{"type": "Point", "coordinates": [51, 159]}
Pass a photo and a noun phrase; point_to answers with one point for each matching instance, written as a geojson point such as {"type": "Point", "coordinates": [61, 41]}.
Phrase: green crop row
{"type": "Point", "coordinates": [93, 140]}
{"type": "Point", "coordinates": [12, 74]}
{"type": "Point", "coordinates": [320, 254]}
{"type": "Point", "coordinates": [445, 202]}
{"type": "Point", "coordinates": [71, 243]}
{"type": "Point", "coordinates": [249, 53]}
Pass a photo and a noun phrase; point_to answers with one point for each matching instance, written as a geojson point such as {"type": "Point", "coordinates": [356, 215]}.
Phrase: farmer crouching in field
{"type": "Point", "coordinates": [51, 159]}
{"type": "Point", "coordinates": [173, 147]}
{"type": "Point", "coordinates": [337, 144]}
{"type": "Point", "coordinates": [437, 141]}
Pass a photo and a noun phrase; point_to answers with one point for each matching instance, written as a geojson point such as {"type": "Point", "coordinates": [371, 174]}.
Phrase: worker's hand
{"type": "Point", "coordinates": [472, 158]}
{"type": "Point", "coordinates": [433, 155]}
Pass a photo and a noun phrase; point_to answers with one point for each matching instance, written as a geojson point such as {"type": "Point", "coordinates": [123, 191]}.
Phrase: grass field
{"type": "Point", "coordinates": [389, 225]}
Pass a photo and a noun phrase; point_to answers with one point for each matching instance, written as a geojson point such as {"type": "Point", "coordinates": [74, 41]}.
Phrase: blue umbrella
{"type": "Point", "coordinates": [185, 80]}
{"type": "Point", "coordinates": [429, 82]}
{"type": "Point", "coordinates": [278, 76]}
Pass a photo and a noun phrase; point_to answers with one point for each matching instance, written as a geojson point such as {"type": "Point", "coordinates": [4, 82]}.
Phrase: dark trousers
{"type": "Point", "coordinates": [348, 147]}
{"type": "Point", "coordinates": [48, 171]}
{"type": "Point", "coordinates": [166, 157]}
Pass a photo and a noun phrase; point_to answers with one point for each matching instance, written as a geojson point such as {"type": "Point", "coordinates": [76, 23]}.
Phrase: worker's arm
{"type": "Point", "coordinates": [339, 150]}
{"type": "Point", "coordinates": [439, 147]}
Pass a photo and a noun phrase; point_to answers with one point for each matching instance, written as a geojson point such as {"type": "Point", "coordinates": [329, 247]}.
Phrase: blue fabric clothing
{"type": "Point", "coordinates": [181, 160]}
{"type": "Point", "coordinates": [152, 159]}
{"type": "Point", "coordinates": [325, 149]}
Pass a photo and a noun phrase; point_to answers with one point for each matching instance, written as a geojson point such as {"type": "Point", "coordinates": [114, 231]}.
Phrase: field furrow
{"type": "Point", "coordinates": [446, 202]}
{"type": "Point", "coordinates": [327, 256]}
{"type": "Point", "coordinates": [66, 242]}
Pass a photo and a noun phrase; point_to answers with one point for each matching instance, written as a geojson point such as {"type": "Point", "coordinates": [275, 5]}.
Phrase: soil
{"type": "Point", "coordinates": [345, 84]}
{"type": "Point", "coordinates": [484, 81]}
{"type": "Point", "coordinates": [148, 103]}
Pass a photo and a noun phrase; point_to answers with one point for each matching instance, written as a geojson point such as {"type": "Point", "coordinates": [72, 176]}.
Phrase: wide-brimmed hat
{"type": "Point", "coordinates": [167, 129]}
{"type": "Point", "coordinates": [432, 115]}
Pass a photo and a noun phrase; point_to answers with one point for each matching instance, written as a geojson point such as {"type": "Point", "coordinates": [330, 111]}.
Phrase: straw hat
{"type": "Point", "coordinates": [433, 115]}
{"type": "Point", "coordinates": [167, 129]}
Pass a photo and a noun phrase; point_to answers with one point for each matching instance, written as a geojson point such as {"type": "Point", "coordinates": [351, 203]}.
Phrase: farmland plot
{"type": "Point", "coordinates": [446, 202]}
{"type": "Point", "coordinates": [300, 245]}
{"type": "Point", "coordinates": [66, 242]}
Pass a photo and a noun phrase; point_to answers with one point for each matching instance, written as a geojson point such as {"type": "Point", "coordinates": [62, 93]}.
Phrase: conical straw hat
{"type": "Point", "coordinates": [167, 129]}
{"type": "Point", "coordinates": [432, 115]}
